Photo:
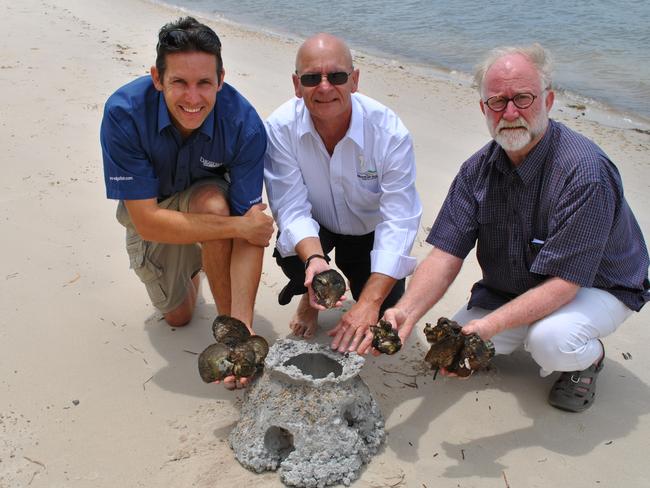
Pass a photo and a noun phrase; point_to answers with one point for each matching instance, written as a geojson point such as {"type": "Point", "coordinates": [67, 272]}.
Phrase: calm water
{"type": "Point", "coordinates": [601, 48]}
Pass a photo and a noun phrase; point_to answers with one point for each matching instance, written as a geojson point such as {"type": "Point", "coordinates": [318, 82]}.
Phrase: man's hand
{"type": "Point", "coordinates": [317, 266]}
{"type": "Point", "coordinates": [400, 320]}
{"type": "Point", "coordinates": [350, 334]}
{"type": "Point", "coordinates": [258, 227]}
{"type": "Point", "coordinates": [234, 383]}
{"type": "Point", "coordinates": [484, 328]}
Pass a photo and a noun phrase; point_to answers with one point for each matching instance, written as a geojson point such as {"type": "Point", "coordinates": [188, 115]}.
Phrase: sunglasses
{"type": "Point", "coordinates": [314, 79]}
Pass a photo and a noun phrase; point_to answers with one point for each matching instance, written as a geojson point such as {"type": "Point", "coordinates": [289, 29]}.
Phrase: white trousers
{"type": "Point", "coordinates": [565, 340]}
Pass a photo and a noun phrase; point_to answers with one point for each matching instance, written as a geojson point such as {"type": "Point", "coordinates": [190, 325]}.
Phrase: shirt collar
{"type": "Point", "coordinates": [163, 114]}
{"type": "Point", "coordinates": [532, 163]}
{"type": "Point", "coordinates": [355, 131]}
{"type": "Point", "coordinates": [164, 120]}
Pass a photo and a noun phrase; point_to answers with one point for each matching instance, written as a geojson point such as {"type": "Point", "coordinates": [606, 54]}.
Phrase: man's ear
{"type": "Point", "coordinates": [550, 98]}
{"type": "Point", "coordinates": [155, 76]}
{"type": "Point", "coordinates": [355, 80]}
{"type": "Point", "coordinates": [297, 87]}
{"type": "Point", "coordinates": [222, 75]}
{"type": "Point", "coordinates": [482, 106]}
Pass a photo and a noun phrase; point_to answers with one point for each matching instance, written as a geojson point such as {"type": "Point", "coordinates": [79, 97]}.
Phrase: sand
{"type": "Point", "coordinates": [96, 391]}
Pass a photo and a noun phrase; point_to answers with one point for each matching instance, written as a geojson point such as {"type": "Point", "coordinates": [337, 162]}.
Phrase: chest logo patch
{"type": "Point", "coordinates": [209, 164]}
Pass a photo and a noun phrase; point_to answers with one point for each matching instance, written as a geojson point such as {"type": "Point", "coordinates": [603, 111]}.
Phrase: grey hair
{"type": "Point", "coordinates": [535, 53]}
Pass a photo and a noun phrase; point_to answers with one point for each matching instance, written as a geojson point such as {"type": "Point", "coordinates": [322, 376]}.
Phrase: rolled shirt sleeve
{"type": "Point", "coordinates": [401, 210]}
{"type": "Point", "coordinates": [286, 190]}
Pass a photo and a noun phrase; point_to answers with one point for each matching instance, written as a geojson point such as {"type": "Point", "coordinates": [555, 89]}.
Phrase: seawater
{"type": "Point", "coordinates": [601, 48]}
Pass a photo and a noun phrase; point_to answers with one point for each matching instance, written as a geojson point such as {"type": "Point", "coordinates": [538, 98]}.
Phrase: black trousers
{"type": "Point", "coordinates": [352, 257]}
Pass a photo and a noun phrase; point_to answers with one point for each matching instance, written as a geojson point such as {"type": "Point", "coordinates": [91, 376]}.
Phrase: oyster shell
{"type": "Point", "coordinates": [235, 353]}
{"type": "Point", "coordinates": [229, 330]}
{"type": "Point", "coordinates": [385, 338]}
{"type": "Point", "coordinates": [446, 342]}
{"type": "Point", "coordinates": [475, 355]}
{"type": "Point", "coordinates": [243, 360]}
{"type": "Point", "coordinates": [456, 352]}
{"type": "Point", "coordinates": [214, 363]}
{"type": "Point", "coordinates": [329, 287]}
{"type": "Point", "coordinates": [260, 347]}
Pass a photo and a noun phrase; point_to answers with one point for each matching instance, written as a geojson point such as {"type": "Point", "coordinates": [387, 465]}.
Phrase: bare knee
{"type": "Point", "coordinates": [178, 317]}
{"type": "Point", "coordinates": [209, 199]}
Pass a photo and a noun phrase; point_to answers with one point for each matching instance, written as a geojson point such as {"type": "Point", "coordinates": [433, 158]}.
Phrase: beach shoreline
{"type": "Point", "coordinates": [98, 392]}
{"type": "Point", "coordinates": [584, 106]}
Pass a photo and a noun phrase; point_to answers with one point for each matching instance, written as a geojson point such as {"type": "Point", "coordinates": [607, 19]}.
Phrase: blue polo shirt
{"type": "Point", "coordinates": [146, 157]}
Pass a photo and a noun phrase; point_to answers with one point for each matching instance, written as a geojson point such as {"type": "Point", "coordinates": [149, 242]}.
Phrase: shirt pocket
{"type": "Point", "coordinates": [365, 196]}
{"type": "Point", "coordinates": [493, 233]}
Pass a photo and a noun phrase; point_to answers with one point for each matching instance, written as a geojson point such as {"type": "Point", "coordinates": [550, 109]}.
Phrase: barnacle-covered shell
{"type": "Point", "coordinates": [385, 338]}
{"type": "Point", "coordinates": [446, 342]}
{"type": "Point", "coordinates": [329, 287]}
{"type": "Point", "coordinates": [456, 352]}
{"type": "Point", "coordinates": [475, 354]}
{"type": "Point", "coordinates": [229, 330]}
{"type": "Point", "coordinates": [214, 363]}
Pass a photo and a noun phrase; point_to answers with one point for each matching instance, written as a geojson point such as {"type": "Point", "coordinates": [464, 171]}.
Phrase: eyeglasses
{"type": "Point", "coordinates": [521, 100]}
{"type": "Point", "coordinates": [314, 79]}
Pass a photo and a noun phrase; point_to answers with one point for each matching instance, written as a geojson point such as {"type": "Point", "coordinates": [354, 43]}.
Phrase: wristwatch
{"type": "Point", "coordinates": [314, 256]}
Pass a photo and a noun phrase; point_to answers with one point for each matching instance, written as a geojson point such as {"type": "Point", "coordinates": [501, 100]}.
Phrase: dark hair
{"type": "Point", "coordinates": [187, 35]}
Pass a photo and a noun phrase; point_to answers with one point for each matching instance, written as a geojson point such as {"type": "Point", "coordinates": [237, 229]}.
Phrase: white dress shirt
{"type": "Point", "coordinates": [368, 184]}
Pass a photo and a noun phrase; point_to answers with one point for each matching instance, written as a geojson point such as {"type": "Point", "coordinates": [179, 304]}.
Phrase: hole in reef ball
{"type": "Point", "coordinates": [315, 365]}
{"type": "Point", "coordinates": [278, 441]}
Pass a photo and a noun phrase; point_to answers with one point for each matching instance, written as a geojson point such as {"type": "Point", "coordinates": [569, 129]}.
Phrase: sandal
{"type": "Point", "coordinates": [571, 393]}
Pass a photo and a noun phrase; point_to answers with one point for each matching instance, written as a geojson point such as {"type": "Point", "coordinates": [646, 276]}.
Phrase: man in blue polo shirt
{"type": "Point", "coordinates": [564, 261]}
{"type": "Point", "coordinates": [183, 153]}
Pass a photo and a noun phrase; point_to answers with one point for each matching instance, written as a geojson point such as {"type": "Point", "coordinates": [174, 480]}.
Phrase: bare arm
{"type": "Point", "coordinates": [527, 308]}
{"type": "Point", "coordinates": [431, 279]}
{"type": "Point", "coordinates": [161, 225]}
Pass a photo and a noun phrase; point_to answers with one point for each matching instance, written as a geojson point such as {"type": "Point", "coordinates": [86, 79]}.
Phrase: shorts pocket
{"type": "Point", "coordinates": [148, 272]}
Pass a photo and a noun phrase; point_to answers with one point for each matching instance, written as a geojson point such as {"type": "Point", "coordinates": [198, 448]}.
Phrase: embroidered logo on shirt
{"type": "Point", "coordinates": [120, 178]}
{"type": "Point", "coordinates": [364, 173]}
{"type": "Point", "coordinates": [209, 164]}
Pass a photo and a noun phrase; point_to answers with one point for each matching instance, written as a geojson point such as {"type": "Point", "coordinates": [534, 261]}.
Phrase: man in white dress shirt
{"type": "Point", "coordinates": [340, 173]}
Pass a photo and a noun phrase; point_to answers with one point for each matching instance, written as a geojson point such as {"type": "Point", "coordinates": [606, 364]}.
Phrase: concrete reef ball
{"type": "Point", "coordinates": [309, 416]}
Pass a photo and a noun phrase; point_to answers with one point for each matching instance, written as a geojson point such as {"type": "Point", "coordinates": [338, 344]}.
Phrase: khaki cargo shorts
{"type": "Point", "coordinates": [166, 269]}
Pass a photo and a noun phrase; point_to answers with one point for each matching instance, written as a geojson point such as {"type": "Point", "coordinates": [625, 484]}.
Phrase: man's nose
{"type": "Point", "coordinates": [192, 94]}
{"type": "Point", "coordinates": [324, 82]}
{"type": "Point", "coordinates": [511, 111]}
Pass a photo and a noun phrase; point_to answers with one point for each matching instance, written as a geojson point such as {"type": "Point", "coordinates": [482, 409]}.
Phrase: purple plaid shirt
{"type": "Point", "coordinates": [560, 213]}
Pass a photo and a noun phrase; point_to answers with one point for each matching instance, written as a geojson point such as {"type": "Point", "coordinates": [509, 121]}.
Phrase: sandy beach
{"type": "Point", "coordinates": [97, 391]}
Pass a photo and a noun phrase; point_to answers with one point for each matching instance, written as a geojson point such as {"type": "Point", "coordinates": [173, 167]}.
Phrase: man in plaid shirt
{"type": "Point", "coordinates": [563, 259]}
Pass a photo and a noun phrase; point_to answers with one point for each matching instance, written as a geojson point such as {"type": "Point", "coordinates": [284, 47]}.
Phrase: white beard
{"type": "Point", "coordinates": [513, 140]}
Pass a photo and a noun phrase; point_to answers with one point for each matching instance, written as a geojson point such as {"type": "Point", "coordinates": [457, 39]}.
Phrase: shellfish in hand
{"type": "Point", "coordinates": [454, 351]}
{"type": "Point", "coordinates": [385, 338]}
{"type": "Point", "coordinates": [329, 287]}
{"type": "Point", "coordinates": [236, 352]}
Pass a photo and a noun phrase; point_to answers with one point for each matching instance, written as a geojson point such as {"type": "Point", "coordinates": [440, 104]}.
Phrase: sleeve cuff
{"type": "Point", "coordinates": [293, 234]}
{"type": "Point", "coordinates": [394, 265]}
